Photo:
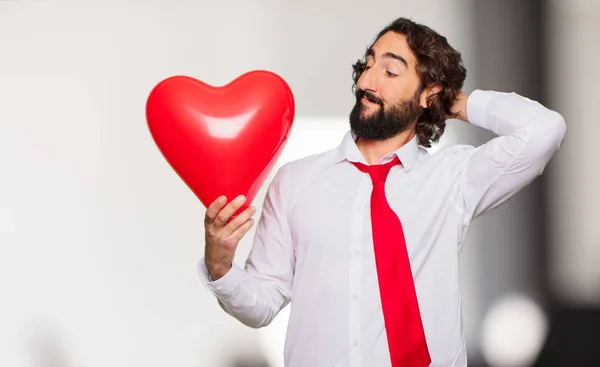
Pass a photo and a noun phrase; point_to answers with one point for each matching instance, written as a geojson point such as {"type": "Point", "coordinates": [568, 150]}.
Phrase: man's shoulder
{"type": "Point", "coordinates": [447, 156]}
{"type": "Point", "coordinates": [309, 163]}
{"type": "Point", "coordinates": [294, 174]}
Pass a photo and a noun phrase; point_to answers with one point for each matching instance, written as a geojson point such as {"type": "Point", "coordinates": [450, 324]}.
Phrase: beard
{"type": "Point", "coordinates": [384, 123]}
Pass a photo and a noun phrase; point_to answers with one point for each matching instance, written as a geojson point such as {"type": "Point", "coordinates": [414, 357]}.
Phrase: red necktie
{"type": "Point", "coordinates": [405, 334]}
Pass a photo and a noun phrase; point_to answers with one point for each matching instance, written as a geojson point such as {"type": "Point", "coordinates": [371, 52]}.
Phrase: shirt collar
{"type": "Point", "coordinates": [348, 150]}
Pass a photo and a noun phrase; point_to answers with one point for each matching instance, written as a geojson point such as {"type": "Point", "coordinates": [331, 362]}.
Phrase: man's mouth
{"type": "Point", "coordinates": [367, 101]}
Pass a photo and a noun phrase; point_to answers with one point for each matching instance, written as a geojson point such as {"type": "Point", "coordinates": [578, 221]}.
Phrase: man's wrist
{"type": "Point", "coordinates": [215, 274]}
{"type": "Point", "coordinates": [460, 106]}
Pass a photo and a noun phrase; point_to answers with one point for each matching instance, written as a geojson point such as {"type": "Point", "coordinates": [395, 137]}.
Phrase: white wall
{"type": "Point", "coordinates": [98, 237]}
{"type": "Point", "coordinates": [575, 204]}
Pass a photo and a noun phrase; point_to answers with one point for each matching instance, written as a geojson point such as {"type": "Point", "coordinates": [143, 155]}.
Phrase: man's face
{"type": "Point", "coordinates": [387, 93]}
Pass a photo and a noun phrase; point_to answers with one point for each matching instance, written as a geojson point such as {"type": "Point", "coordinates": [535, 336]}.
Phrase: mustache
{"type": "Point", "coordinates": [369, 96]}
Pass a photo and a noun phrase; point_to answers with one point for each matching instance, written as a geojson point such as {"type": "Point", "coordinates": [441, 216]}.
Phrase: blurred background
{"type": "Point", "coordinates": [99, 238]}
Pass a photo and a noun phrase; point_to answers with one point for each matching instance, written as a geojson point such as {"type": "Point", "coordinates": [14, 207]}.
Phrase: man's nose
{"type": "Point", "coordinates": [367, 81]}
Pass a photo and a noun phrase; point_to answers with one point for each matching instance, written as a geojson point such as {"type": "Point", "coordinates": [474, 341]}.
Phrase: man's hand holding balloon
{"type": "Point", "coordinates": [223, 233]}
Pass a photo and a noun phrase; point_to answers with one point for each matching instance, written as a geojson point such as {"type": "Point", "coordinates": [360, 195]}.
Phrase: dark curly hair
{"type": "Point", "coordinates": [437, 63]}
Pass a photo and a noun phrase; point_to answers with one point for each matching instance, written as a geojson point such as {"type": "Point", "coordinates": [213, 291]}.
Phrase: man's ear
{"type": "Point", "coordinates": [429, 91]}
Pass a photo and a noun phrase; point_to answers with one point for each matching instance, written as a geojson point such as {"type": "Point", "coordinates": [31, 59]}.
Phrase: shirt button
{"type": "Point", "coordinates": [355, 296]}
{"type": "Point", "coordinates": [355, 342]}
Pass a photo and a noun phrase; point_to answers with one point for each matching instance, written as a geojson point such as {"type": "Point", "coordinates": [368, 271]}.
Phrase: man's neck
{"type": "Point", "coordinates": [373, 150]}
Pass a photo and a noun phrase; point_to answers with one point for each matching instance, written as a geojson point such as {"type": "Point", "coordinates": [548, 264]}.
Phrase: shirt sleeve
{"type": "Point", "coordinates": [529, 134]}
{"type": "Point", "coordinates": [255, 294]}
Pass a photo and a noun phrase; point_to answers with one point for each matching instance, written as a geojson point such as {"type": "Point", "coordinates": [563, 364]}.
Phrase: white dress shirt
{"type": "Point", "coordinates": [313, 245]}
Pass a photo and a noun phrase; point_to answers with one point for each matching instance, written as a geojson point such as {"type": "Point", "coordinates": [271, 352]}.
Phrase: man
{"type": "Point", "coordinates": [364, 240]}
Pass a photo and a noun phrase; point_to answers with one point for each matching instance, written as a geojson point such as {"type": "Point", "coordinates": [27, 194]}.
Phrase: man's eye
{"type": "Point", "coordinates": [390, 74]}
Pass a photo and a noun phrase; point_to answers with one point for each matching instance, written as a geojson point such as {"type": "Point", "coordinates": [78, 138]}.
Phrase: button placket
{"type": "Point", "coordinates": [356, 268]}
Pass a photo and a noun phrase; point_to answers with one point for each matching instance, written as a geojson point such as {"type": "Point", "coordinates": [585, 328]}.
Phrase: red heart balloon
{"type": "Point", "coordinates": [222, 140]}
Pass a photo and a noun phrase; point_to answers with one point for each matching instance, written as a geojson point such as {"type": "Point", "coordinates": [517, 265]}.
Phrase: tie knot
{"type": "Point", "coordinates": [378, 172]}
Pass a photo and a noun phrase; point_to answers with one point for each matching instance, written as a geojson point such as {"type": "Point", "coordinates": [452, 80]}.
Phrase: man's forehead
{"type": "Point", "coordinates": [395, 43]}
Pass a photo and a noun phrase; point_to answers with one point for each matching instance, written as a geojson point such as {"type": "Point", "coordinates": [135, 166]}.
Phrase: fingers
{"type": "Point", "coordinates": [223, 232]}
{"type": "Point", "coordinates": [214, 208]}
{"type": "Point", "coordinates": [223, 216]}
{"type": "Point", "coordinates": [237, 235]}
{"type": "Point", "coordinates": [239, 220]}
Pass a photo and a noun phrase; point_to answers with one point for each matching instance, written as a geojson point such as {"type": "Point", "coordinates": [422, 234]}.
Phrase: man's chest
{"type": "Point", "coordinates": [332, 218]}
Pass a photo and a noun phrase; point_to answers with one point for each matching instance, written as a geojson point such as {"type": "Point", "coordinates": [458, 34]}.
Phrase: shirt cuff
{"type": "Point", "coordinates": [477, 105]}
{"type": "Point", "coordinates": [224, 285]}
